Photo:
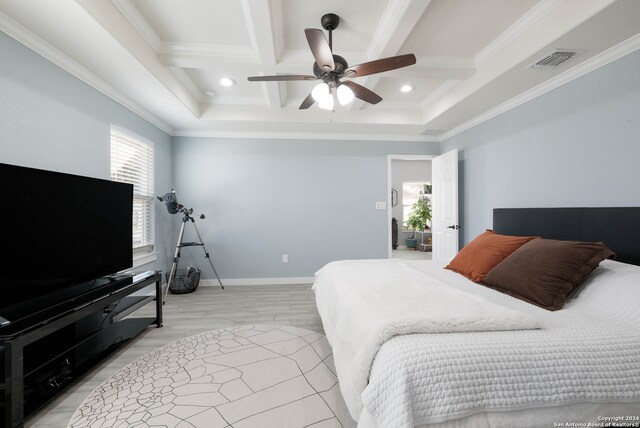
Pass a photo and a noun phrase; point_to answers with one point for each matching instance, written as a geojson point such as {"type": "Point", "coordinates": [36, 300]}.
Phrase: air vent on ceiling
{"type": "Point", "coordinates": [555, 58]}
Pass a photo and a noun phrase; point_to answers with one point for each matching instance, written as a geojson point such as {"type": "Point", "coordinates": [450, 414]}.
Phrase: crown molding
{"type": "Point", "coordinates": [304, 56]}
{"type": "Point", "coordinates": [616, 52]}
{"type": "Point", "coordinates": [303, 136]}
{"type": "Point", "coordinates": [184, 78]}
{"type": "Point", "coordinates": [526, 21]}
{"type": "Point", "coordinates": [438, 92]}
{"type": "Point", "coordinates": [259, 19]}
{"type": "Point", "coordinates": [209, 50]}
{"type": "Point", "coordinates": [277, 21]}
{"type": "Point", "coordinates": [399, 105]}
{"type": "Point", "coordinates": [44, 49]}
{"type": "Point", "coordinates": [392, 17]}
{"type": "Point", "coordinates": [446, 62]}
{"type": "Point", "coordinates": [237, 100]}
{"type": "Point", "coordinates": [131, 14]}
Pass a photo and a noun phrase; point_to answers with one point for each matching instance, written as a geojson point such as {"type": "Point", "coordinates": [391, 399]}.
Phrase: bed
{"type": "Point", "coordinates": [576, 365]}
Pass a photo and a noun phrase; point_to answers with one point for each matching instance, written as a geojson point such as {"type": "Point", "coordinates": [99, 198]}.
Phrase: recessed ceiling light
{"type": "Point", "coordinates": [225, 81]}
{"type": "Point", "coordinates": [406, 88]}
{"type": "Point", "coordinates": [210, 92]}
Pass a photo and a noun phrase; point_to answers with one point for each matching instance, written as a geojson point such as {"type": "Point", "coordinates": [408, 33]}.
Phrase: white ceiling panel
{"type": "Point", "coordinates": [216, 22]}
{"type": "Point", "coordinates": [209, 79]}
{"type": "Point", "coordinates": [299, 90]}
{"type": "Point", "coordinates": [389, 89]}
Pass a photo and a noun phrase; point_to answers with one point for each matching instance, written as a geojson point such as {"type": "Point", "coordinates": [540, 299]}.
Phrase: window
{"type": "Point", "coordinates": [411, 192]}
{"type": "Point", "coordinates": [132, 162]}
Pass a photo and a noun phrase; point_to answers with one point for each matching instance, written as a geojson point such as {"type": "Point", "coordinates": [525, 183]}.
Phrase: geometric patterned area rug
{"type": "Point", "coordinates": [247, 376]}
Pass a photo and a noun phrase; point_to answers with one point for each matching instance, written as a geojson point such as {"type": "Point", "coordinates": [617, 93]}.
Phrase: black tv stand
{"type": "Point", "coordinates": [75, 334]}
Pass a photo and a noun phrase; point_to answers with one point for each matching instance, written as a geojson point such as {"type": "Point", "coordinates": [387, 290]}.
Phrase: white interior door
{"type": "Point", "coordinates": [444, 221]}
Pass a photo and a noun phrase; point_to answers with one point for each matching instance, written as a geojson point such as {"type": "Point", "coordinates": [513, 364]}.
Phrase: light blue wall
{"type": "Point", "coordinates": [578, 145]}
{"type": "Point", "coordinates": [51, 120]}
{"type": "Point", "coordinates": [313, 200]}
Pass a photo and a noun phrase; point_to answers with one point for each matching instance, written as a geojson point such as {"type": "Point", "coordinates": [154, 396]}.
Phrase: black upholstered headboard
{"type": "Point", "coordinates": [618, 228]}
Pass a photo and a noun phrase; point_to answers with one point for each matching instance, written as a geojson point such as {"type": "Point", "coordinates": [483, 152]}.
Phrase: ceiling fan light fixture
{"type": "Point", "coordinates": [345, 95]}
{"type": "Point", "coordinates": [327, 102]}
{"type": "Point", "coordinates": [406, 88]}
{"type": "Point", "coordinates": [320, 92]}
{"type": "Point", "coordinates": [227, 82]}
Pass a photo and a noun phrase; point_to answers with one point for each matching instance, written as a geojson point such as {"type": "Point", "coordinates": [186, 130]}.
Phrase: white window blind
{"type": "Point", "coordinates": [132, 162]}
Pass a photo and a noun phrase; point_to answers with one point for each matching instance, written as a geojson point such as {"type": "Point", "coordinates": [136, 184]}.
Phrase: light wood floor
{"type": "Point", "coordinates": [208, 308]}
{"type": "Point", "coordinates": [411, 254]}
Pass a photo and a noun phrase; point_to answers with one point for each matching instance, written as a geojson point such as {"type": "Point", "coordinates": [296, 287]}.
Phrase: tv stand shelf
{"type": "Point", "coordinates": [106, 309]}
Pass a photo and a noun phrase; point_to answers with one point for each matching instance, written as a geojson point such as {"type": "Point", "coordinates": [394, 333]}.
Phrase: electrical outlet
{"type": "Point", "coordinates": [285, 258]}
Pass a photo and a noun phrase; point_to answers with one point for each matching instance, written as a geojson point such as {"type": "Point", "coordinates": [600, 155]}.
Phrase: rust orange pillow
{"type": "Point", "coordinates": [482, 254]}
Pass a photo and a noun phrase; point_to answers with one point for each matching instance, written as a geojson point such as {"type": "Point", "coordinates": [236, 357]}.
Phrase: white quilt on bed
{"type": "Point", "coordinates": [364, 303]}
{"type": "Point", "coordinates": [588, 352]}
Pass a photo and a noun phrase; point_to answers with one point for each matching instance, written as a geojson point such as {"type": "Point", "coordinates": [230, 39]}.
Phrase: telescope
{"type": "Point", "coordinates": [171, 202]}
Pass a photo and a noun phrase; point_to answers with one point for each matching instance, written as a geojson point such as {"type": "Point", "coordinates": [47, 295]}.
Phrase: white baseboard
{"type": "Point", "coordinates": [257, 281]}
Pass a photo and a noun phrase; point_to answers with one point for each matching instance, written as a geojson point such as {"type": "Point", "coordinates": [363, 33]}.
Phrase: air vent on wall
{"type": "Point", "coordinates": [555, 58]}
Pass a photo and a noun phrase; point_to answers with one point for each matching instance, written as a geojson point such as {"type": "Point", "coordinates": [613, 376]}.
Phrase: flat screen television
{"type": "Point", "coordinates": [59, 230]}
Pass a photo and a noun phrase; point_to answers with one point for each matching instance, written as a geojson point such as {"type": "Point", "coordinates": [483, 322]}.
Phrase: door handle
{"type": "Point", "coordinates": [454, 227]}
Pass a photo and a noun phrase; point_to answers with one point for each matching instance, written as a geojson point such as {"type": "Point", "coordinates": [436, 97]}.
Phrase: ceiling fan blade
{"type": "Point", "coordinates": [363, 93]}
{"type": "Point", "coordinates": [380, 65]}
{"type": "Point", "coordinates": [308, 102]}
{"type": "Point", "coordinates": [320, 49]}
{"type": "Point", "coordinates": [280, 78]}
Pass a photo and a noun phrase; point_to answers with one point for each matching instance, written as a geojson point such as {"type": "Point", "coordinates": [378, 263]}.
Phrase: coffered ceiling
{"type": "Point", "coordinates": [164, 59]}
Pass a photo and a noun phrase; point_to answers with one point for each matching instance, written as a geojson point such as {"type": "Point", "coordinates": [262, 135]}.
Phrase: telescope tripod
{"type": "Point", "coordinates": [176, 257]}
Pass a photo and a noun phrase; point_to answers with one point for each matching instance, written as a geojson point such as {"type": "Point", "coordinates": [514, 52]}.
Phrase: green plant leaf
{"type": "Point", "coordinates": [419, 216]}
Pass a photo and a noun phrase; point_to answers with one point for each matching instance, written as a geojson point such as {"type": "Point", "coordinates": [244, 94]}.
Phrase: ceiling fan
{"type": "Point", "coordinates": [331, 68]}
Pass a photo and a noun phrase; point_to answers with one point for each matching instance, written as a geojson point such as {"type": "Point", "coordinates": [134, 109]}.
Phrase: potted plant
{"type": "Point", "coordinates": [417, 221]}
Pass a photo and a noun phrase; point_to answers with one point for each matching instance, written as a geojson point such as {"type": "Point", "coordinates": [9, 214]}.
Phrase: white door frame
{"type": "Point", "coordinates": [389, 213]}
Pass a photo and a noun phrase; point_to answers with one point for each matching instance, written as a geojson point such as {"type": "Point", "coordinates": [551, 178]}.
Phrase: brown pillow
{"type": "Point", "coordinates": [479, 256]}
{"type": "Point", "coordinates": [545, 271]}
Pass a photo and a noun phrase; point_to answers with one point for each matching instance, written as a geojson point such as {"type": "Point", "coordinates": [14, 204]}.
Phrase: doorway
{"type": "Point", "coordinates": [408, 176]}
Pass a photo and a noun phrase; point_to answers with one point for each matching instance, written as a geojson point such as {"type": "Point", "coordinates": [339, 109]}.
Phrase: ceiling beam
{"type": "Point", "coordinates": [116, 24]}
{"type": "Point", "coordinates": [398, 20]}
{"type": "Point", "coordinates": [205, 55]}
{"type": "Point", "coordinates": [259, 16]}
{"type": "Point", "coordinates": [139, 23]}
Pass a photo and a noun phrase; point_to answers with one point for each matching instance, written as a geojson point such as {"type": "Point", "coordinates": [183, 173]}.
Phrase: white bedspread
{"type": "Point", "coordinates": [588, 352]}
{"type": "Point", "coordinates": [364, 303]}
